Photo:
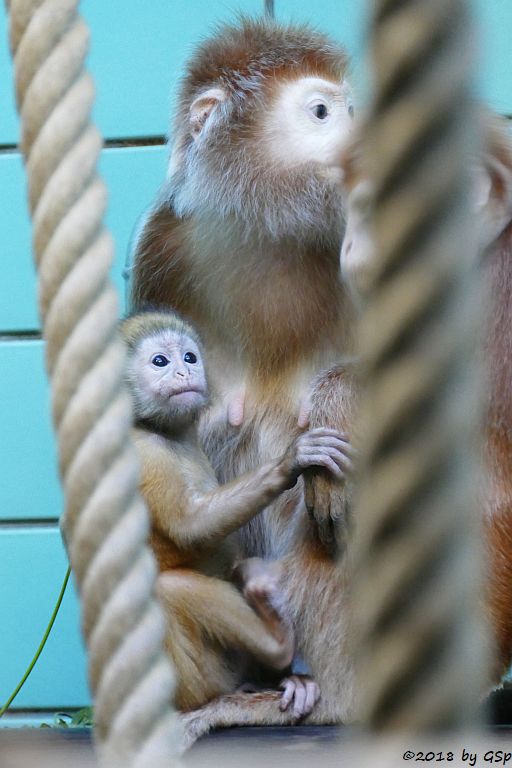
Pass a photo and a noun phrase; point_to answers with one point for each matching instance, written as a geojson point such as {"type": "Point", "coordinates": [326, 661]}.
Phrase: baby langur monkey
{"type": "Point", "coordinates": [214, 631]}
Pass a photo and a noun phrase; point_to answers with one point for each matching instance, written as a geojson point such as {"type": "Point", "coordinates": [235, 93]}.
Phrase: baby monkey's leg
{"type": "Point", "coordinates": [203, 612]}
{"type": "Point", "coordinates": [261, 583]}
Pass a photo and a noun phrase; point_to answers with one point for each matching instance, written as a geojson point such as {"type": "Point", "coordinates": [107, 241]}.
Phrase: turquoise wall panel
{"type": "Point", "coordinates": [132, 175]}
{"type": "Point", "coordinates": [496, 53]}
{"type": "Point", "coordinates": [32, 568]}
{"type": "Point", "coordinates": [137, 53]}
{"type": "Point", "coordinates": [347, 20]}
{"type": "Point", "coordinates": [28, 476]}
{"type": "Point", "coordinates": [18, 310]}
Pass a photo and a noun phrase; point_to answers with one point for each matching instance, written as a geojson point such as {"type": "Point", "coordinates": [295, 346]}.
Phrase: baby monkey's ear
{"type": "Point", "coordinates": [202, 107]}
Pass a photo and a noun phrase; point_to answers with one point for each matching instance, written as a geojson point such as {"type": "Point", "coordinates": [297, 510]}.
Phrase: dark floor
{"type": "Point", "coordinates": [297, 746]}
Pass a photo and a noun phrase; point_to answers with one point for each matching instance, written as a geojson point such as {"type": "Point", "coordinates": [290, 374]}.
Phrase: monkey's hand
{"type": "Point", "coordinates": [324, 448]}
{"type": "Point", "coordinates": [302, 690]}
{"type": "Point", "coordinates": [327, 502]}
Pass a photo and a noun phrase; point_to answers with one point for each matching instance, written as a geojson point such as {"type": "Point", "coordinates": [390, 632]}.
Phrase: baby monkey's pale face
{"type": "Point", "coordinates": [168, 378]}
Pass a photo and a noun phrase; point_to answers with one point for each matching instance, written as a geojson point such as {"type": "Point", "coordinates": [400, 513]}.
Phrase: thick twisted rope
{"type": "Point", "coordinates": [105, 523]}
{"type": "Point", "coordinates": [417, 566]}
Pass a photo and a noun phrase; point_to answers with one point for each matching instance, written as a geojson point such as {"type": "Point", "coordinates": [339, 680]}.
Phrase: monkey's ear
{"type": "Point", "coordinates": [202, 107]}
{"type": "Point", "coordinates": [493, 197]}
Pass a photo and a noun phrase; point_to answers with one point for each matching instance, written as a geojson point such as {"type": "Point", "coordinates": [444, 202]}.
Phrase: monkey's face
{"type": "Point", "coordinates": [168, 379]}
{"type": "Point", "coordinates": [269, 160]}
{"type": "Point", "coordinates": [309, 123]}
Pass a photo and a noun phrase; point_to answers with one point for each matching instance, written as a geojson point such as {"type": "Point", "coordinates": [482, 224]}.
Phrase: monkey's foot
{"type": "Point", "coordinates": [303, 691]}
{"type": "Point", "coordinates": [261, 580]}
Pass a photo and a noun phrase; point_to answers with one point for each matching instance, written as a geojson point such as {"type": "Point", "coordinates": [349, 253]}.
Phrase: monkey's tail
{"type": "Point", "coordinates": [260, 708]}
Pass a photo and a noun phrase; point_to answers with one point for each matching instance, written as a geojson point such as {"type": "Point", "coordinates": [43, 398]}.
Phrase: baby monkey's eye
{"type": "Point", "coordinates": [160, 361]}
{"type": "Point", "coordinates": [320, 111]}
{"type": "Point", "coordinates": [189, 357]}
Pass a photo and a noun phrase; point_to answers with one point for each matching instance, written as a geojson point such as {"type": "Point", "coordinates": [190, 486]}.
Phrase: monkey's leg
{"type": "Point", "coordinates": [201, 609]}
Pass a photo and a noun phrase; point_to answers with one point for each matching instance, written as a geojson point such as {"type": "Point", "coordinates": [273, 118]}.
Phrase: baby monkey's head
{"type": "Point", "coordinates": [165, 370]}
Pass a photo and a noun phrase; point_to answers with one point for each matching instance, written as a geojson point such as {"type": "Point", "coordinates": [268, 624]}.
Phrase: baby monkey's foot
{"type": "Point", "coordinates": [261, 588]}
{"type": "Point", "coordinates": [260, 579]}
{"type": "Point", "coordinates": [303, 691]}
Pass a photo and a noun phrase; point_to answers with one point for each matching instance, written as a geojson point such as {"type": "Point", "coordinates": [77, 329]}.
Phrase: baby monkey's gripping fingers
{"type": "Point", "coordinates": [323, 448]}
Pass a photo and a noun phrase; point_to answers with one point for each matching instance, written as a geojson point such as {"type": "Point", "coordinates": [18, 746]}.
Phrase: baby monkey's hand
{"type": "Point", "coordinates": [321, 447]}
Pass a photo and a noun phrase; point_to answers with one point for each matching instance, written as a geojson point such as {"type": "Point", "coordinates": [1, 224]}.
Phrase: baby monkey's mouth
{"type": "Point", "coordinates": [184, 390]}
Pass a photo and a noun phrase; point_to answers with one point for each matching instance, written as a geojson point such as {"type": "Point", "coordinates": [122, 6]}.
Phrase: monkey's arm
{"type": "Point", "coordinates": [189, 508]}
{"type": "Point", "coordinates": [215, 514]}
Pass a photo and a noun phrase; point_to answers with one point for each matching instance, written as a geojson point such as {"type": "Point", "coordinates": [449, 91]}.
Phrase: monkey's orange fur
{"type": "Point", "coordinates": [497, 267]}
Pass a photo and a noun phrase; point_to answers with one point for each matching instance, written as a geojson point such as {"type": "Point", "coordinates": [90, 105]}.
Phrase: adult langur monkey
{"type": "Point", "coordinates": [244, 242]}
{"type": "Point", "coordinates": [492, 200]}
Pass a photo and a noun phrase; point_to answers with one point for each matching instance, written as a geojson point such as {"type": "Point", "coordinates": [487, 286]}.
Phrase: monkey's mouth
{"type": "Point", "coordinates": [186, 391]}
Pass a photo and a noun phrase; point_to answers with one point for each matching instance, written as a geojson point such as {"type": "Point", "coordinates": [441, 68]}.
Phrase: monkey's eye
{"type": "Point", "coordinates": [320, 111]}
{"type": "Point", "coordinates": [189, 357]}
{"type": "Point", "coordinates": [160, 361]}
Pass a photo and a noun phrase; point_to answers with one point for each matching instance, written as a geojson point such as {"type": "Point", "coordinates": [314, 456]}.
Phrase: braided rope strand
{"type": "Point", "coordinates": [420, 639]}
{"type": "Point", "coordinates": [105, 522]}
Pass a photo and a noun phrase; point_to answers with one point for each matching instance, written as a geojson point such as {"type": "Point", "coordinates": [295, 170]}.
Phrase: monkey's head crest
{"type": "Point", "coordinates": [241, 57]}
{"type": "Point", "coordinates": [151, 320]}
{"type": "Point", "coordinates": [264, 111]}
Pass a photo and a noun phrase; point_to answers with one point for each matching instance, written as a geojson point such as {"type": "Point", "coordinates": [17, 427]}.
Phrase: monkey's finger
{"type": "Point", "coordinates": [343, 461]}
{"type": "Point", "coordinates": [289, 687]}
{"type": "Point", "coordinates": [328, 432]}
{"type": "Point", "coordinates": [325, 436]}
{"type": "Point", "coordinates": [309, 493]}
{"type": "Point", "coordinates": [299, 699]}
{"type": "Point", "coordinates": [320, 460]}
{"type": "Point", "coordinates": [324, 441]}
{"type": "Point", "coordinates": [325, 528]}
{"type": "Point", "coordinates": [312, 696]}
{"type": "Point", "coordinates": [334, 441]}
{"type": "Point", "coordinates": [326, 534]}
